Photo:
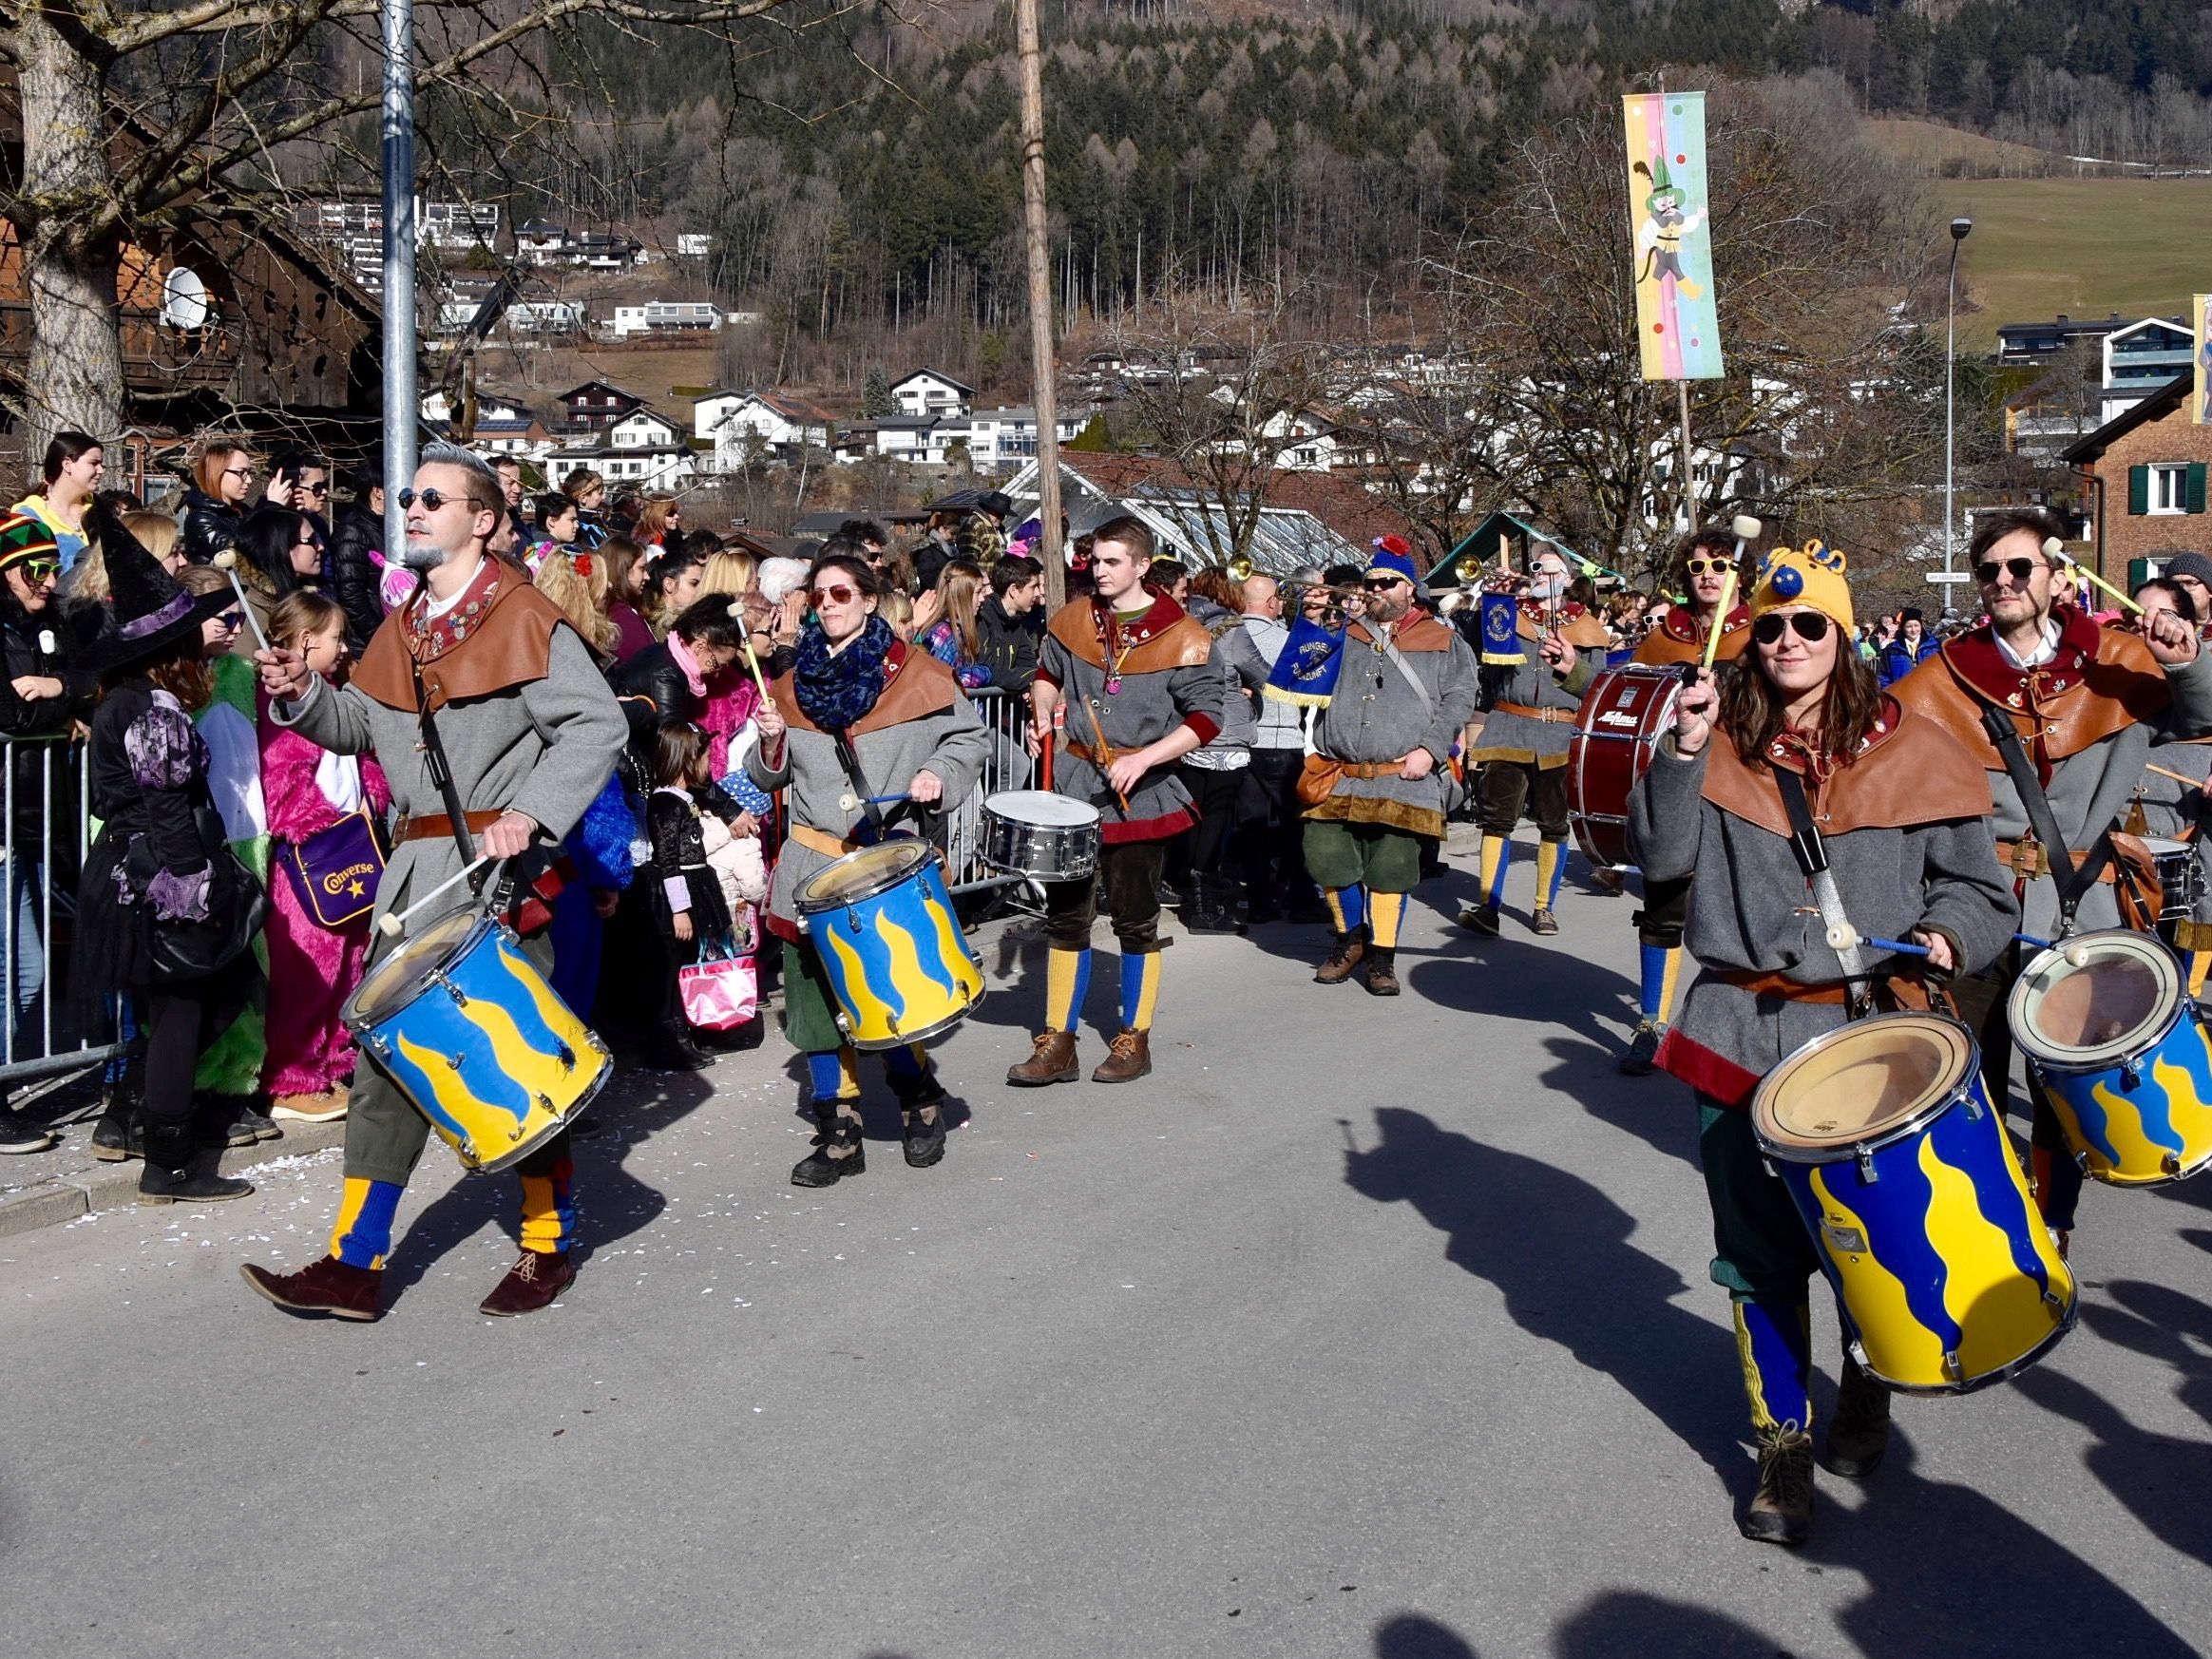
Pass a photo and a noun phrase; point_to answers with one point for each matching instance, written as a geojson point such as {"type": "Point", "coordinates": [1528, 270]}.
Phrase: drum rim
{"type": "Point", "coordinates": [1904, 1128]}
{"type": "Point", "coordinates": [2080, 1061]}
{"type": "Point", "coordinates": [1002, 816]}
{"type": "Point", "coordinates": [818, 906]}
{"type": "Point", "coordinates": [354, 1017]}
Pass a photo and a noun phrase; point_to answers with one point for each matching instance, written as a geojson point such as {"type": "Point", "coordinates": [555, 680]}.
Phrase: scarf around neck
{"type": "Point", "coordinates": [836, 692]}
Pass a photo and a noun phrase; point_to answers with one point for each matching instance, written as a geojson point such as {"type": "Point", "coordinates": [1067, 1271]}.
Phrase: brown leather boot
{"type": "Point", "coordinates": [1780, 1512]}
{"type": "Point", "coordinates": [1351, 949]}
{"type": "Point", "coordinates": [533, 1283]}
{"type": "Point", "coordinates": [1382, 971]}
{"type": "Point", "coordinates": [1128, 1059]}
{"type": "Point", "coordinates": [1051, 1061]}
{"type": "Point", "coordinates": [326, 1287]}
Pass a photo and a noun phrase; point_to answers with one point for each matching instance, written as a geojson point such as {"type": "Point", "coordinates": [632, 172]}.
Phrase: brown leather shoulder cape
{"type": "Point", "coordinates": [2100, 681]}
{"type": "Point", "coordinates": [1909, 771]}
{"type": "Point", "coordinates": [511, 645]}
{"type": "Point", "coordinates": [1678, 638]}
{"type": "Point", "coordinates": [1165, 637]}
{"type": "Point", "coordinates": [915, 685]}
{"type": "Point", "coordinates": [1420, 633]}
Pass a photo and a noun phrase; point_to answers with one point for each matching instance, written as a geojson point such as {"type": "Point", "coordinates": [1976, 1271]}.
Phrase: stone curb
{"type": "Point", "coordinates": [65, 1197]}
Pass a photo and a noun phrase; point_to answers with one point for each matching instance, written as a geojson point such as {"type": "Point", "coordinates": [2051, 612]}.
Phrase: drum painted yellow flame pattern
{"type": "Point", "coordinates": [2145, 1123]}
{"type": "Point", "coordinates": [1943, 1268]}
{"type": "Point", "coordinates": [896, 962]}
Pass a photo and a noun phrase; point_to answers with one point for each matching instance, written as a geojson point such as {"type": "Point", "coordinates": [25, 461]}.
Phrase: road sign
{"type": "Point", "coordinates": [1948, 577]}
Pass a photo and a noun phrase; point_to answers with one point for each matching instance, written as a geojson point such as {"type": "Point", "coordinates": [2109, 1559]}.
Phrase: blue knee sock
{"type": "Point", "coordinates": [1140, 990]}
{"type": "Point", "coordinates": [1347, 907]}
{"type": "Point", "coordinates": [1655, 964]}
{"type": "Point", "coordinates": [905, 1062]}
{"type": "Point", "coordinates": [1774, 1342]}
{"type": "Point", "coordinates": [361, 1237]}
{"type": "Point", "coordinates": [832, 1075]}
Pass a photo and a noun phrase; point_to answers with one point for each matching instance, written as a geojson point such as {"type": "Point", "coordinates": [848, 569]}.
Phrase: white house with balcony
{"type": "Point", "coordinates": [645, 428]}
{"type": "Point", "coordinates": [665, 316]}
{"type": "Point", "coordinates": [999, 440]}
{"type": "Point", "coordinates": [2139, 358]}
{"type": "Point", "coordinates": [927, 392]}
{"type": "Point", "coordinates": [741, 424]}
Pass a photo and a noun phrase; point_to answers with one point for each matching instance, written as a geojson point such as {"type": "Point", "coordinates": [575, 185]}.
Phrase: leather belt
{"type": "Point", "coordinates": [821, 841]}
{"type": "Point", "coordinates": [438, 827]}
{"type": "Point", "coordinates": [1367, 767]}
{"type": "Point", "coordinates": [1530, 711]}
{"type": "Point", "coordinates": [2028, 859]}
{"type": "Point", "coordinates": [1769, 984]}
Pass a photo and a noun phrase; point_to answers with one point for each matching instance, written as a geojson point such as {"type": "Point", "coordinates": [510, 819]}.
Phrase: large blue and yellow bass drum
{"type": "Point", "coordinates": [469, 1029]}
{"type": "Point", "coordinates": [1947, 1278]}
{"type": "Point", "coordinates": [2107, 1024]}
{"type": "Point", "coordinates": [882, 923]}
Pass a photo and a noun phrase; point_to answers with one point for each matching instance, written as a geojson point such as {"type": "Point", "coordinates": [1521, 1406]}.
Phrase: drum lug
{"type": "Point", "coordinates": [1952, 1368]}
{"type": "Point", "coordinates": [2170, 1164]}
{"type": "Point", "coordinates": [457, 1061]}
{"type": "Point", "coordinates": [1857, 1350]}
{"type": "Point", "coordinates": [852, 919]}
{"type": "Point", "coordinates": [2054, 1301]}
{"type": "Point", "coordinates": [1974, 1107]}
{"type": "Point", "coordinates": [1865, 1160]}
{"type": "Point", "coordinates": [516, 1133]}
{"type": "Point", "coordinates": [380, 1048]}
{"type": "Point", "coordinates": [567, 1057]}
{"type": "Point", "coordinates": [2130, 1075]}
{"type": "Point", "coordinates": [2082, 1162]}
{"type": "Point", "coordinates": [544, 1105]}
{"type": "Point", "coordinates": [447, 985]}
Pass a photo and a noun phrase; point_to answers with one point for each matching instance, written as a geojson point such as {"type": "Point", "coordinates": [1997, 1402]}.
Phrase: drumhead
{"type": "Point", "coordinates": [1862, 1083]}
{"type": "Point", "coordinates": [2121, 997]}
{"type": "Point", "coordinates": [862, 875]}
{"type": "Point", "coordinates": [1044, 807]}
{"type": "Point", "coordinates": [395, 982]}
{"type": "Point", "coordinates": [2163, 850]}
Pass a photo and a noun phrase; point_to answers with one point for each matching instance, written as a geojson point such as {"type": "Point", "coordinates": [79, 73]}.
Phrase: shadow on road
{"type": "Point", "coordinates": [1497, 977]}
{"type": "Point", "coordinates": [1656, 1109]}
{"type": "Point", "coordinates": [1558, 1249]}
{"type": "Point", "coordinates": [1412, 1636]}
{"type": "Point", "coordinates": [1624, 1621]}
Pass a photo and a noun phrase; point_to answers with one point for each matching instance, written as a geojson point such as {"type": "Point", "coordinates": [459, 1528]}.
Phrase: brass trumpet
{"type": "Point", "coordinates": [1240, 569]}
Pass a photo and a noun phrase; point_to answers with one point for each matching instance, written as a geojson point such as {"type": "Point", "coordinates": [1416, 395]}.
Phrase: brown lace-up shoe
{"type": "Point", "coordinates": [533, 1283]}
{"type": "Point", "coordinates": [1382, 971]}
{"type": "Point", "coordinates": [1350, 952]}
{"type": "Point", "coordinates": [326, 1287]}
{"type": "Point", "coordinates": [1543, 921]}
{"type": "Point", "coordinates": [1129, 1059]}
{"type": "Point", "coordinates": [1051, 1061]}
{"type": "Point", "coordinates": [1780, 1512]}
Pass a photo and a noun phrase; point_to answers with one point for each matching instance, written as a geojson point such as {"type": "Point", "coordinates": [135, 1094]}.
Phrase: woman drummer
{"type": "Point", "coordinates": [1903, 812]}
{"type": "Point", "coordinates": [911, 731]}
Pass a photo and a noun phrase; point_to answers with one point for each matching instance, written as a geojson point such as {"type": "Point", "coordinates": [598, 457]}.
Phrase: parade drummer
{"type": "Point", "coordinates": [1905, 817]}
{"type": "Point", "coordinates": [1406, 684]}
{"type": "Point", "coordinates": [1532, 683]}
{"type": "Point", "coordinates": [1135, 675]}
{"type": "Point", "coordinates": [2172, 807]}
{"type": "Point", "coordinates": [911, 731]}
{"type": "Point", "coordinates": [531, 732]}
{"type": "Point", "coordinates": [1701, 570]}
{"type": "Point", "coordinates": [2087, 702]}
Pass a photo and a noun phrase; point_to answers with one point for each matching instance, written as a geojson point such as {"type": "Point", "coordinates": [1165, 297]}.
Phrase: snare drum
{"type": "Point", "coordinates": [2116, 1044]}
{"type": "Point", "coordinates": [2181, 883]}
{"type": "Point", "coordinates": [469, 1029]}
{"type": "Point", "coordinates": [1945, 1276]}
{"type": "Point", "coordinates": [890, 947]}
{"type": "Point", "coordinates": [1618, 728]}
{"type": "Point", "coordinates": [1035, 832]}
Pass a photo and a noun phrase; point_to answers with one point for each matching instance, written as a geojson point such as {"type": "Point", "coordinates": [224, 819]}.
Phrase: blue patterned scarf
{"type": "Point", "coordinates": [836, 693]}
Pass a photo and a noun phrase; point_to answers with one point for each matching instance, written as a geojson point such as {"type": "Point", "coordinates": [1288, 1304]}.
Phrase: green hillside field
{"type": "Point", "coordinates": [2083, 247]}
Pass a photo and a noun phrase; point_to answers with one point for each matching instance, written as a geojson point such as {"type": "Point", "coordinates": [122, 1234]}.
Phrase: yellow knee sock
{"type": "Point", "coordinates": [1067, 980]}
{"type": "Point", "coordinates": [1385, 912]}
{"type": "Point", "coordinates": [2199, 961]}
{"type": "Point", "coordinates": [549, 1224]}
{"type": "Point", "coordinates": [1550, 868]}
{"type": "Point", "coordinates": [1496, 855]}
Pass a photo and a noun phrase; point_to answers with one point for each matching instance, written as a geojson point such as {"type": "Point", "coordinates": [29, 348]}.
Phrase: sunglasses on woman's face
{"type": "Point", "coordinates": [1811, 626]}
{"type": "Point", "coordinates": [231, 620]}
{"type": "Point", "coordinates": [833, 596]}
{"type": "Point", "coordinates": [40, 570]}
{"type": "Point", "coordinates": [2022, 570]}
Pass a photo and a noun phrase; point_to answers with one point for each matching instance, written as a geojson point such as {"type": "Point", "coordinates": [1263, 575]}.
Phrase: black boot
{"type": "Point", "coordinates": [168, 1177]}
{"type": "Point", "coordinates": [1861, 1432]}
{"type": "Point", "coordinates": [1206, 913]}
{"type": "Point", "coordinates": [834, 1134]}
{"type": "Point", "coordinates": [120, 1135]}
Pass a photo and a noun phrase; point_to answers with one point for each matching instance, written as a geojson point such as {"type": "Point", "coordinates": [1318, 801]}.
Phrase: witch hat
{"type": "Point", "coordinates": [151, 610]}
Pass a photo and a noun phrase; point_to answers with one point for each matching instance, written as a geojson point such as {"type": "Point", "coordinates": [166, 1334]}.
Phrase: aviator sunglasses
{"type": "Point", "coordinates": [1811, 626]}
{"type": "Point", "coordinates": [1986, 572]}
{"type": "Point", "coordinates": [839, 595]}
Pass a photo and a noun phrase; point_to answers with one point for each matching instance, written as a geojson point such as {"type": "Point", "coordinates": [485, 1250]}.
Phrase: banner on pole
{"type": "Point", "coordinates": [1678, 328]}
{"type": "Point", "coordinates": [2201, 313]}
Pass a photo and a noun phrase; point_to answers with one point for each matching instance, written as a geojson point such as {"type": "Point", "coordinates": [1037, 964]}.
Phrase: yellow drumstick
{"type": "Point", "coordinates": [1721, 619]}
{"type": "Point", "coordinates": [745, 640]}
{"type": "Point", "coordinates": [2178, 778]}
{"type": "Point", "coordinates": [2055, 551]}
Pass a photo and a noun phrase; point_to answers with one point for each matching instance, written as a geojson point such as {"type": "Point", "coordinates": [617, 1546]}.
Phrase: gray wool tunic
{"type": "Point", "coordinates": [1751, 909]}
{"type": "Point", "coordinates": [949, 741]}
{"type": "Point", "coordinates": [545, 747]}
{"type": "Point", "coordinates": [1374, 716]}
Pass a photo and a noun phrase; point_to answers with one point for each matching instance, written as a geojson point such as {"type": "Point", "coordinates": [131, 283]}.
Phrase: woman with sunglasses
{"type": "Point", "coordinates": [1904, 812]}
{"type": "Point", "coordinates": [279, 552]}
{"type": "Point", "coordinates": [912, 732]}
{"type": "Point", "coordinates": [214, 505]}
{"type": "Point", "coordinates": [1703, 563]}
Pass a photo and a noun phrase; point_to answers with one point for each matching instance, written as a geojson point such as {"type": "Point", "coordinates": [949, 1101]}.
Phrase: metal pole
{"type": "Point", "coordinates": [1950, 348]}
{"type": "Point", "coordinates": [401, 402]}
{"type": "Point", "coordinates": [1688, 473]}
{"type": "Point", "coordinates": [1048, 492]}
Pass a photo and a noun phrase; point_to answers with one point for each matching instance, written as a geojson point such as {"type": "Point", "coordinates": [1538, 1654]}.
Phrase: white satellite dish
{"type": "Point", "coordinates": [183, 299]}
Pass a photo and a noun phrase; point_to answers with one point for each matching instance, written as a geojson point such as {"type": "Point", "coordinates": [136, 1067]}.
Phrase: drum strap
{"type": "Point", "coordinates": [2071, 880]}
{"type": "Point", "coordinates": [1812, 858]}
{"type": "Point", "coordinates": [441, 774]}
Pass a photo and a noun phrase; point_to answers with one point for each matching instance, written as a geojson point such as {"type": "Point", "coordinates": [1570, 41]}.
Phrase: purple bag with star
{"type": "Point", "coordinates": [335, 871]}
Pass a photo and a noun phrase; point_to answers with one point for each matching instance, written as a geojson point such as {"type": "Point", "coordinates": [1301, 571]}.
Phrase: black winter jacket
{"type": "Point", "coordinates": [652, 688]}
{"type": "Point", "coordinates": [209, 527]}
{"type": "Point", "coordinates": [34, 730]}
{"type": "Point", "coordinates": [1007, 645]}
{"type": "Point", "coordinates": [353, 575]}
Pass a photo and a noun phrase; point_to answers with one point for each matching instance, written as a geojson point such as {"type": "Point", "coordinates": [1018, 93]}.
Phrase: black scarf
{"type": "Point", "coordinates": [837, 691]}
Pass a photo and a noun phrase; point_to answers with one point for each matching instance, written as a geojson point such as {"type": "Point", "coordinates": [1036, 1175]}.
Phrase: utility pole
{"type": "Point", "coordinates": [401, 402]}
{"type": "Point", "coordinates": [1951, 576]}
{"type": "Point", "coordinates": [1041, 347]}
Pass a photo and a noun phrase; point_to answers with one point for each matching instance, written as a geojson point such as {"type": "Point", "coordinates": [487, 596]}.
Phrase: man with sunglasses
{"type": "Point", "coordinates": [1531, 691]}
{"type": "Point", "coordinates": [2086, 701]}
{"type": "Point", "coordinates": [1136, 678]}
{"type": "Point", "coordinates": [530, 732]}
{"type": "Point", "coordinates": [1405, 688]}
{"type": "Point", "coordinates": [1702, 568]}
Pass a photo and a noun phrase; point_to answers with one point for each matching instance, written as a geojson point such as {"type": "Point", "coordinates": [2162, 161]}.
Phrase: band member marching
{"type": "Point", "coordinates": [1136, 677]}
{"type": "Point", "coordinates": [1702, 565]}
{"type": "Point", "coordinates": [531, 732]}
{"type": "Point", "coordinates": [1405, 686]}
{"type": "Point", "coordinates": [909, 728]}
{"type": "Point", "coordinates": [1904, 816]}
{"type": "Point", "coordinates": [1532, 684]}
{"type": "Point", "coordinates": [2086, 702]}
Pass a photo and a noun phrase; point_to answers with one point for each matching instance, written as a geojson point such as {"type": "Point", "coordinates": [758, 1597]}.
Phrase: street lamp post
{"type": "Point", "coordinates": [1959, 227]}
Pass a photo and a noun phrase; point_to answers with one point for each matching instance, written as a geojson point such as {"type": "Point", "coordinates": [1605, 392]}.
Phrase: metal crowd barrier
{"type": "Point", "coordinates": [41, 905]}
{"type": "Point", "coordinates": [1009, 766]}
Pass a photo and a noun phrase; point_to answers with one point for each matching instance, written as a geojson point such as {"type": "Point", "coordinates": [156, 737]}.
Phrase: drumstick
{"type": "Point", "coordinates": [394, 924]}
{"type": "Point", "coordinates": [1712, 644]}
{"type": "Point", "coordinates": [744, 641]}
{"type": "Point", "coordinates": [1105, 750]}
{"type": "Point", "coordinates": [2178, 778]}
{"type": "Point", "coordinates": [227, 562]}
{"type": "Point", "coordinates": [2055, 550]}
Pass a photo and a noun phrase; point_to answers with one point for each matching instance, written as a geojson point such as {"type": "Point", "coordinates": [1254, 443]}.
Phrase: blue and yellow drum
{"type": "Point", "coordinates": [882, 923]}
{"type": "Point", "coordinates": [2106, 1021]}
{"type": "Point", "coordinates": [1947, 1278]}
{"type": "Point", "coordinates": [470, 1032]}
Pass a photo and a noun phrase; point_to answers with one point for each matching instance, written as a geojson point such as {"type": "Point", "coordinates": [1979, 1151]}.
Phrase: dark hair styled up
{"type": "Point", "coordinates": [1127, 531]}
{"type": "Point", "coordinates": [1012, 570]}
{"type": "Point", "coordinates": [266, 540]}
{"type": "Point", "coordinates": [66, 447]}
{"type": "Point", "coordinates": [1992, 527]}
{"type": "Point", "coordinates": [551, 506]}
{"type": "Point", "coordinates": [864, 531]}
{"type": "Point", "coordinates": [1751, 705]}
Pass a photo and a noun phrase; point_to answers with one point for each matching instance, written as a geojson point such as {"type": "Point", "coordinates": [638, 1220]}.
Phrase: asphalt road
{"type": "Point", "coordinates": [1367, 1329]}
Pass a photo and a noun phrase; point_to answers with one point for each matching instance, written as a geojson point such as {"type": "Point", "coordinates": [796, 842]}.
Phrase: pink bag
{"type": "Point", "coordinates": [719, 992]}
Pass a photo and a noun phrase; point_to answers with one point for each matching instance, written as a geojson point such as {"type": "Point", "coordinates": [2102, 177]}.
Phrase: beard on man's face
{"type": "Point", "coordinates": [421, 555]}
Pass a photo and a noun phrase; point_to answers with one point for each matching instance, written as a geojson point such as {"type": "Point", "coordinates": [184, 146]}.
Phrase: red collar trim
{"type": "Point", "coordinates": [1679, 624]}
{"type": "Point", "coordinates": [1115, 634]}
{"type": "Point", "coordinates": [1790, 752]}
{"type": "Point", "coordinates": [1976, 659]}
{"type": "Point", "coordinates": [429, 636]}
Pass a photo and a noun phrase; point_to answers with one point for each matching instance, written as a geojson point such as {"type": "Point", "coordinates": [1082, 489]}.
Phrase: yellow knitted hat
{"type": "Point", "coordinates": [1812, 575]}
